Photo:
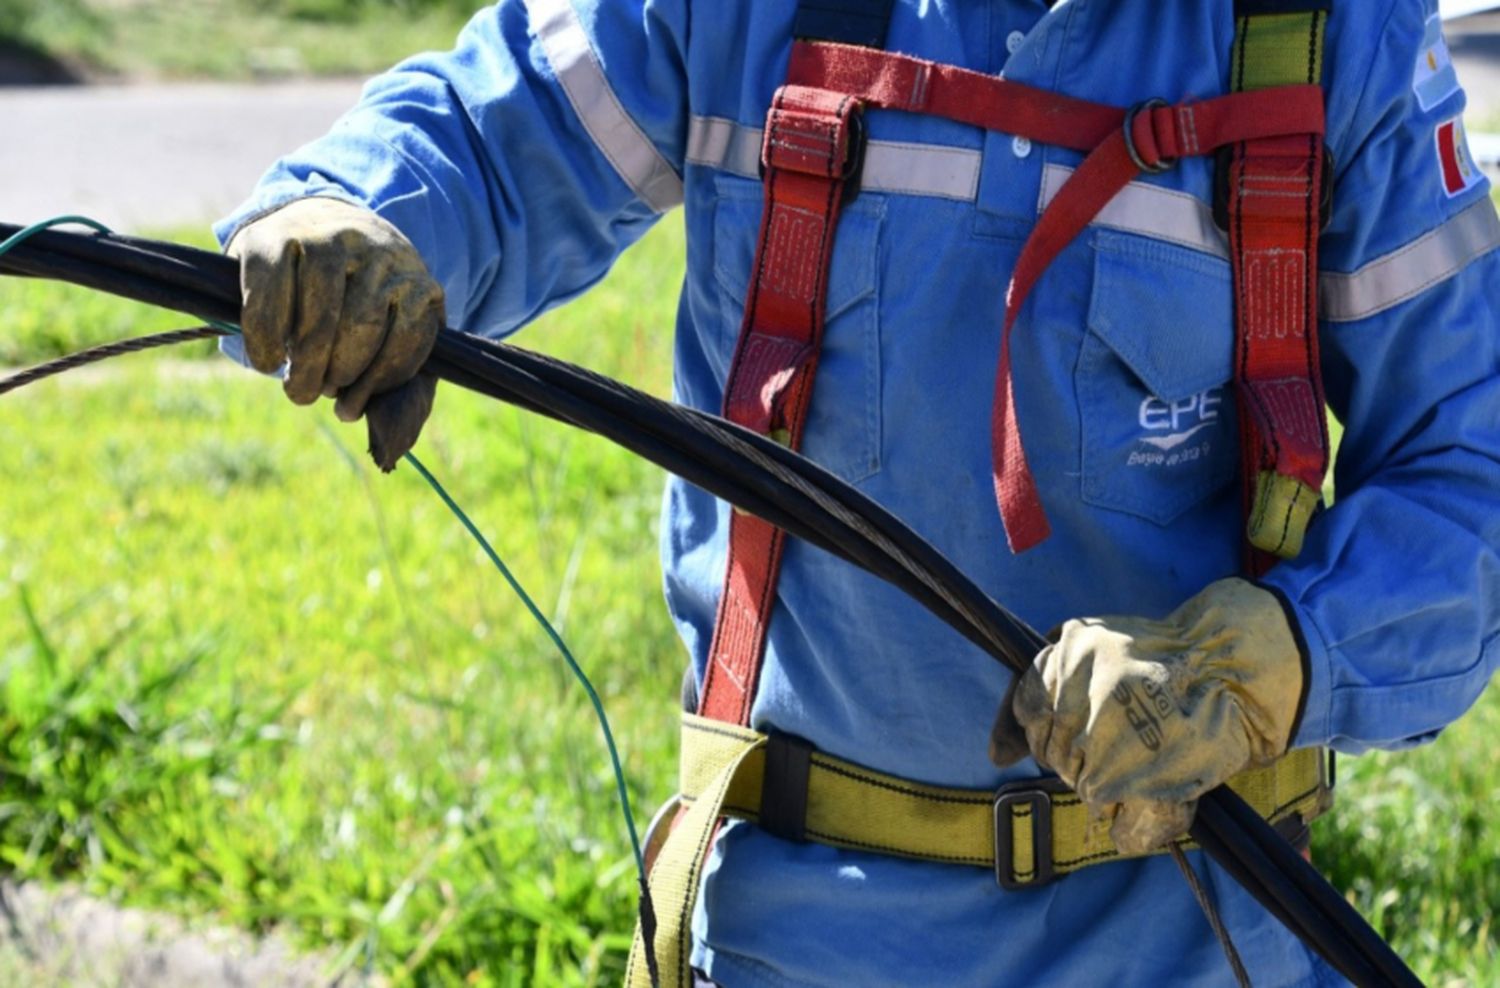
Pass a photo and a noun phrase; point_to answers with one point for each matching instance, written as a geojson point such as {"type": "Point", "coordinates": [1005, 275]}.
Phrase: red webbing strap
{"type": "Point", "coordinates": [807, 154]}
{"type": "Point", "coordinates": [1275, 191]}
{"type": "Point", "coordinates": [1287, 116]}
{"type": "Point", "coordinates": [1158, 135]}
{"type": "Point", "coordinates": [890, 81]}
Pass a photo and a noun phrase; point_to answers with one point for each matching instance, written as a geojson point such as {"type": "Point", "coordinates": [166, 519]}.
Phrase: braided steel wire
{"type": "Point", "coordinates": [99, 354]}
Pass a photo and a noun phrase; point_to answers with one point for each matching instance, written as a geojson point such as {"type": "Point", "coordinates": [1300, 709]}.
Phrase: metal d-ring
{"type": "Point", "coordinates": [1162, 164]}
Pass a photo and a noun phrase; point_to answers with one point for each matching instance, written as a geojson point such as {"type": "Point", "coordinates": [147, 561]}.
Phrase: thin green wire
{"type": "Point", "coordinates": [489, 550]}
{"type": "Point", "coordinates": [20, 238]}
{"type": "Point", "coordinates": [577, 670]}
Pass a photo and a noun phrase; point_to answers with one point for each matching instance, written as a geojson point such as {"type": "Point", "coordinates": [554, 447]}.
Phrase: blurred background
{"type": "Point", "coordinates": [247, 737]}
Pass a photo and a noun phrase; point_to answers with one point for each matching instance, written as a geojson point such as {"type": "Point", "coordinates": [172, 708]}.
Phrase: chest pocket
{"type": "Point", "coordinates": [1156, 403]}
{"type": "Point", "coordinates": [843, 425]}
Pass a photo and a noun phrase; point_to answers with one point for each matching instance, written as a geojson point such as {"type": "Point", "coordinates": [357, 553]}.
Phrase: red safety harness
{"type": "Point", "coordinates": [812, 153]}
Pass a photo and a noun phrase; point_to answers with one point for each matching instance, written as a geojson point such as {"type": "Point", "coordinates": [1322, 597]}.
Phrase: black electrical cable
{"type": "Point", "coordinates": [793, 494]}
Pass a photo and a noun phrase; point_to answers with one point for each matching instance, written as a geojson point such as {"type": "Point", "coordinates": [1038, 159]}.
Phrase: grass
{"type": "Point", "coordinates": [409, 772]}
{"type": "Point", "coordinates": [236, 39]}
{"type": "Point", "coordinates": [220, 697]}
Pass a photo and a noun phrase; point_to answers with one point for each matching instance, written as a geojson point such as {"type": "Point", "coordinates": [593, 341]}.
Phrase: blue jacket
{"type": "Point", "coordinates": [523, 162]}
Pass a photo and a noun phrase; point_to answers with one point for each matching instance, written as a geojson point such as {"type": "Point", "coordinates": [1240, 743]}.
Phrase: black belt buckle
{"type": "Point", "coordinates": [854, 164]}
{"type": "Point", "coordinates": [1036, 793]}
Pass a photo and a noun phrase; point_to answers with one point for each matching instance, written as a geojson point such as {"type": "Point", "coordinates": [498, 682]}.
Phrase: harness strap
{"type": "Point", "coordinates": [1273, 192]}
{"type": "Point", "coordinates": [890, 81]}
{"type": "Point", "coordinates": [1026, 833]}
{"type": "Point", "coordinates": [810, 152]}
{"type": "Point", "coordinates": [1121, 144]}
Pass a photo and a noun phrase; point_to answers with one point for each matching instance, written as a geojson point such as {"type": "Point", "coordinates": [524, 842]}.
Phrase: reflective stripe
{"type": "Point", "coordinates": [1177, 217]}
{"type": "Point", "coordinates": [1150, 210]}
{"type": "Point", "coordinates": [890, 166]}
{"type": "Point", "coordinates": [725, 145]}
{"type": "Point", "coordinates": [1407, 272]}
{"type": "Point", "coordinates": [629, 150]}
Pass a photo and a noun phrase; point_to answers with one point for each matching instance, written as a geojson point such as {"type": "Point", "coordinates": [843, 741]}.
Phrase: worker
{"type": "Point", "coordinates": [517, 167]}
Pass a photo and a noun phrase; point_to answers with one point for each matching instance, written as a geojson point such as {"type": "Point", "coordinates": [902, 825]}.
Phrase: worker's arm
{"type": "Point", "coordinates": [518, 166]}
{"type": "Point", "coordinates": [520, 163]}
{"type": "Point", "coordinates": [1397, 591]}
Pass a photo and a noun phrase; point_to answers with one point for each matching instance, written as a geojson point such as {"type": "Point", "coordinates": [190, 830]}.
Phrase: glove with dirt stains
{"type": "Point", "coordinates": [343, 300]}
{"type": "Point", "coordinates": [1142, 717]}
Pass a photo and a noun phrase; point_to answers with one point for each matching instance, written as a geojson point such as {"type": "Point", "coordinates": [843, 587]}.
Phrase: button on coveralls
{"type": "Point", "coordinates": [523, 162]}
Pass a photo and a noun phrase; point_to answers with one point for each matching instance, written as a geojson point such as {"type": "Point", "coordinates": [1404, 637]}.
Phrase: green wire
{"type": "Point", "coordinates": [20, 238]}
{"type": "Point", "coordinates": [577, 670]}
{"type": "Point", "coordinates": [489, 550]}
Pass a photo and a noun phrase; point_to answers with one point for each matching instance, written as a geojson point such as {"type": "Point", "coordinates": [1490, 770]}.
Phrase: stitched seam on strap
{"type": "Point", "coordinates": [897, 788]}
{"type": "Point", "coordinates": [706, 729]}
{"type": "Point", "coordinates": [902, 852]}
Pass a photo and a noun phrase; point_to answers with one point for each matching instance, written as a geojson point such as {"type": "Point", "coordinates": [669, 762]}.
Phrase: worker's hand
{"type": "Point", "coordinates": [1142, 717]}
{"type": "Point", "coordinates": [340, 297]}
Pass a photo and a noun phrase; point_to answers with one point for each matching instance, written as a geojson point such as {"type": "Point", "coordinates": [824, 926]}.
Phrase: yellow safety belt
{"type": "Point", "coordinates": [1027, 832]}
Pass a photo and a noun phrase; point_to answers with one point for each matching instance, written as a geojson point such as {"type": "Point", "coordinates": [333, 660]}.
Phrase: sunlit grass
{"type": "Point", "coordinates": [434, 798]}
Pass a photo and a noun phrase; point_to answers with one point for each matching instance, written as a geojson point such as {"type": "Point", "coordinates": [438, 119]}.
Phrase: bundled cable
{"type": "Point", "coordinates": [757, 475]}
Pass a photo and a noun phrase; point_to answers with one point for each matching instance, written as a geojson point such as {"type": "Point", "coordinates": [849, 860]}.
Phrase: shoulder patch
{"type": "Point", "coordinates": [1434, 79]}
{"type": "Point", "coordinates": [1460, 174]}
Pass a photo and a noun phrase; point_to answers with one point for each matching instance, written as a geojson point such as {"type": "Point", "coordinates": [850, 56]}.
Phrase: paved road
{"type": "Point", "coordinates": [151, 156]}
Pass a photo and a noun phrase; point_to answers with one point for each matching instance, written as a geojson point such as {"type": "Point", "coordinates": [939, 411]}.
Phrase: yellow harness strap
{"type": "Point", "coordinates": [723, 772]}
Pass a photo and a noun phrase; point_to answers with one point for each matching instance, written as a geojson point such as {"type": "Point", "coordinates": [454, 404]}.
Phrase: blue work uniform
{"type": "Point", "coordinates": [523, 162]}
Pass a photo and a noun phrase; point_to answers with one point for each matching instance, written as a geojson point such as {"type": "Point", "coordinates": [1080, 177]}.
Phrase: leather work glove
{"type": "Point", "coordinates": [1142, 717]}
{"type": "Point", "coordinates": [340, 297]}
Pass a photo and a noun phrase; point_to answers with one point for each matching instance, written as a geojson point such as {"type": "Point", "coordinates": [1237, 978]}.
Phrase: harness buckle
{"type": "Point", "coordinates": [1224, 158]}
{"type": "Point", "coordinates": [1035, 794]}
{"type": "Point", "coordinates": [1160, 164]}
{"type": "Point", "coordinates": [783, 794]}
{"type": "Point", "coordinates": [853, 165]}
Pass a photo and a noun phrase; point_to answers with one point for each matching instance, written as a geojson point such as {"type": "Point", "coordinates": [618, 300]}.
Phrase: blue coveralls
{"type": "Point", "coordinates": [524, 161]}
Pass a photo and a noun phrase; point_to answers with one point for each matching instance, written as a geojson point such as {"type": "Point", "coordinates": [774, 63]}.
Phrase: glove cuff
{"type": "Point", "coordinates": [1304, 656]}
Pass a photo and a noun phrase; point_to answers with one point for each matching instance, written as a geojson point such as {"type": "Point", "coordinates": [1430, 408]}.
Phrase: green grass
{"type": "Point", "coordinates": [244, 677]}
{"type": "Point", "coordinates": [235, 39]}
{"type": "Point", "coordinates": [434, 798]}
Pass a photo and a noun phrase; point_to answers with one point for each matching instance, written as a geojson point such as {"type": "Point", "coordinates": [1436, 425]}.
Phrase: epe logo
{"type": "Point", "coordinates": [1170, 428]}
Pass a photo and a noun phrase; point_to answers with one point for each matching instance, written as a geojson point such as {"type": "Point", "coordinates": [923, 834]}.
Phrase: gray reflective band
{"type": "Point", "coordinates": [629, 150]}
{"type": "Point", "coordinates": [725, 145]}
{"type": "Point", "coordinates": [1388, 281]}
{"type": "Point", "coordinates": [890, 166]}
{"type": "Point", "coordinates": [1408, 271]}
{"type": "Point", "coordinates": [1151, 211]}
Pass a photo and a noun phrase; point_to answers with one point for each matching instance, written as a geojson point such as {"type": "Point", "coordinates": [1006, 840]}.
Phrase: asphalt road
{"type": "Point", "coordinates": [151, 156]}
{"type": "Point", "coordinates": [155, 156]}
